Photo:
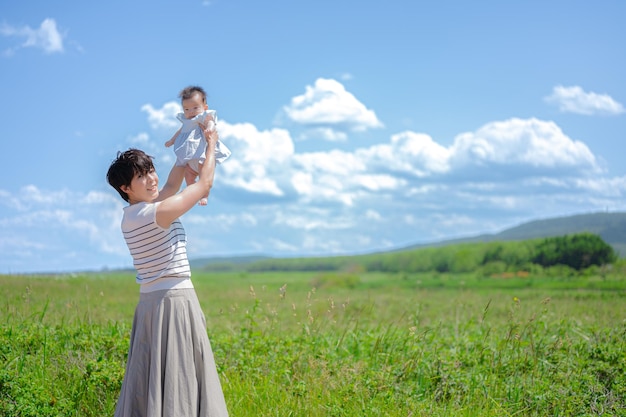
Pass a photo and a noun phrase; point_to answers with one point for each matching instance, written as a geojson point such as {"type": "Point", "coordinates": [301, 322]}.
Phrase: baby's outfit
{"type": "Point", "coordinates": [190, 145]}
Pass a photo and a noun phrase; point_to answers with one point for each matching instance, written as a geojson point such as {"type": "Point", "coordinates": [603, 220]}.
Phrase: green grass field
{"type": "Point", "coordinates": [335, 344]}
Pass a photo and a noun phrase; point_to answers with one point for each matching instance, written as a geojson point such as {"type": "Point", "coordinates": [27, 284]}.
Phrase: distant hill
{"type": "Point", "coordinates": [611, 227]}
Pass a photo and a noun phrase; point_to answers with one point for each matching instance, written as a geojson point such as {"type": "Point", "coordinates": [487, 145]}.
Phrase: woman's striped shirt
{"type": "Point", "coordinates": [157, 252]}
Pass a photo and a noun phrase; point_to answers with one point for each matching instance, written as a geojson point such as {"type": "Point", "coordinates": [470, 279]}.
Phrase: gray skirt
{"type": "Point", "coordinates": [170, 370]}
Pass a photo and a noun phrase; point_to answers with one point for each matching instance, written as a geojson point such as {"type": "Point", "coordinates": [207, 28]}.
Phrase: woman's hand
{"type": "Point", "coordinates": [209, 130]}
{"type": "Point", "coordinates": [211, 136]}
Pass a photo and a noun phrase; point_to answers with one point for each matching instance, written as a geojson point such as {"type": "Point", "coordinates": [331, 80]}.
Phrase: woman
{"type": "Point", "coordinates": [170, 369]}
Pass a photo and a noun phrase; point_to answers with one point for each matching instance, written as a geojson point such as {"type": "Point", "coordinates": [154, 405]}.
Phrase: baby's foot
{"type": "Point", "coordinates": [203, 201]}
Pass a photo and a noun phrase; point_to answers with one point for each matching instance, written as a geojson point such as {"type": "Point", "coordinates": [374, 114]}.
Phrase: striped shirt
{"type": "Point", "coordinates": [157, 252]}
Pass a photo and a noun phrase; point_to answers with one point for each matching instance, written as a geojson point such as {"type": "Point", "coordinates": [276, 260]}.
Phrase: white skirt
{"type": "Point", "coordinates": [170, 370]}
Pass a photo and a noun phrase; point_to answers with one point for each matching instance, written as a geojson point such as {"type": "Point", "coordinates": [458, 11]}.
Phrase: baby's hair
{"type": "Point", "coordinates": [124, 168]}
{"type": "Point", "coordinates": [188, 92]}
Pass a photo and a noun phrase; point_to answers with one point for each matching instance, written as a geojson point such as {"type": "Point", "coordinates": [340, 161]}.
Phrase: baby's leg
{"type": "Point", "coordinates": [204, 200]}
{"type": "Point", "coordinates": [190, 175]}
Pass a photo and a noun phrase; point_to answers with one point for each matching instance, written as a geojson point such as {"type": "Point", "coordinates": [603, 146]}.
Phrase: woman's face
{"type": "Point", "coordinates": [143, 187]}
{"type": "Point", "coordinates": [193, 106]}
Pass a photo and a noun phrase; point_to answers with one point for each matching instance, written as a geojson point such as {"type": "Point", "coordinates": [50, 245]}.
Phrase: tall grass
{"type": "Point", "coordinates": [335, 344]}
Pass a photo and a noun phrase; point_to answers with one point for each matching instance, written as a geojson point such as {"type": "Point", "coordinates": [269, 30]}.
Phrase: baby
{"type": "Point", "coordinates": [189, 144]}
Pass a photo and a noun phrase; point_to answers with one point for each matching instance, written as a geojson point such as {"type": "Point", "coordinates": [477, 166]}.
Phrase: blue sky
{"type": "Point", "coordinates": [355, 126]}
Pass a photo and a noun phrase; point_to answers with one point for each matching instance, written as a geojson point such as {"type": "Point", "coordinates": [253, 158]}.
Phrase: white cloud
{"type": "Point", "coordinates": [165, 117]}
{"type": "Point", "coordinates": [372, 215]}
{"type": "Point", "coordinates": [334, 162]}
{"type": "Point", "coordinates": [528, 142]}
{"type": "Point", "coordinates": [346, 76]}
{"type": "Point", "coordinates": [280, 245]}
{"type": "Point", "coordinates": [319, 188]}
{"type": "Point", "coordinates": [316, 244]}
{"type": "Point", "coordinates": [615, 187]}
{"type": "Point", "coordinates": [223, 221]}
{"type": "Point", "coordinates": [410, 152]}
{"type": "Point", "coordinates": [141, 139]}
{"type": "Point", "coordinates": [497, 147]}
{"type": "Point", "coordinates": [327, 176]}
{"type": "Point", "coordinates": [378, 182]}
{"type": "Point", "coordinates": [324, 133]}
{"type": "Point", "coordinates": [9, 200]}
{"type": "Point", "coordinates": [31, 195]}
{"type": "Point", "coordinates": [265, 162]}
{"type": "Point", "coordinates": [328, 103]}
{"type": "Point", "coordinates": [57, 219]}
{"type": "Point", "coordinates": [454, 220]}
{"type": "Point", "coordinates": [576, 100]}
{"type": "Point", "coordinates": [46, 37]}
{"type": "Point", "coordinates": [255, 146]}
{"type": "Point", "coordinates": [311, 218]}
{"type": "Point", "coordinates": [261, 158]}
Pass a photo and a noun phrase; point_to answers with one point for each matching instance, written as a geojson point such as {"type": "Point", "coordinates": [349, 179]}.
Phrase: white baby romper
{"type": "Point", "coordinates": [190, 146]}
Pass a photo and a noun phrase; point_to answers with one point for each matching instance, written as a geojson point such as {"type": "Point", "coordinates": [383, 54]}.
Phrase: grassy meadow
{"type": "Point", "coordinates": [335, 343]}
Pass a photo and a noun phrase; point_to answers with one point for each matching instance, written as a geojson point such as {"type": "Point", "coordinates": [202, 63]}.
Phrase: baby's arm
{"type": "Point", "coordinates": [171, 141]}
{"type": "Point", "coordinates": [174, 181]}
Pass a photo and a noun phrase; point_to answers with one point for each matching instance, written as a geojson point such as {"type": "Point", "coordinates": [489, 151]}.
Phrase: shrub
{"type": "Point", "coordinates": [577, 251]}
{"type": "Point", "coordinates": [493, 268]}
{"type": "Point", "coordinates": [336, 280]}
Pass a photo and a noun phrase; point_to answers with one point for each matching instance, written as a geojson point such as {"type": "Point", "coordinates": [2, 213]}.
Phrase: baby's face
{"type": "Point", "coordinates": [193, 106]}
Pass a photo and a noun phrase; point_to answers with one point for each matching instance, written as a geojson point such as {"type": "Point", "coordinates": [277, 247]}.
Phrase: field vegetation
{"type": "Point", "coordinates": [495, 340]}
